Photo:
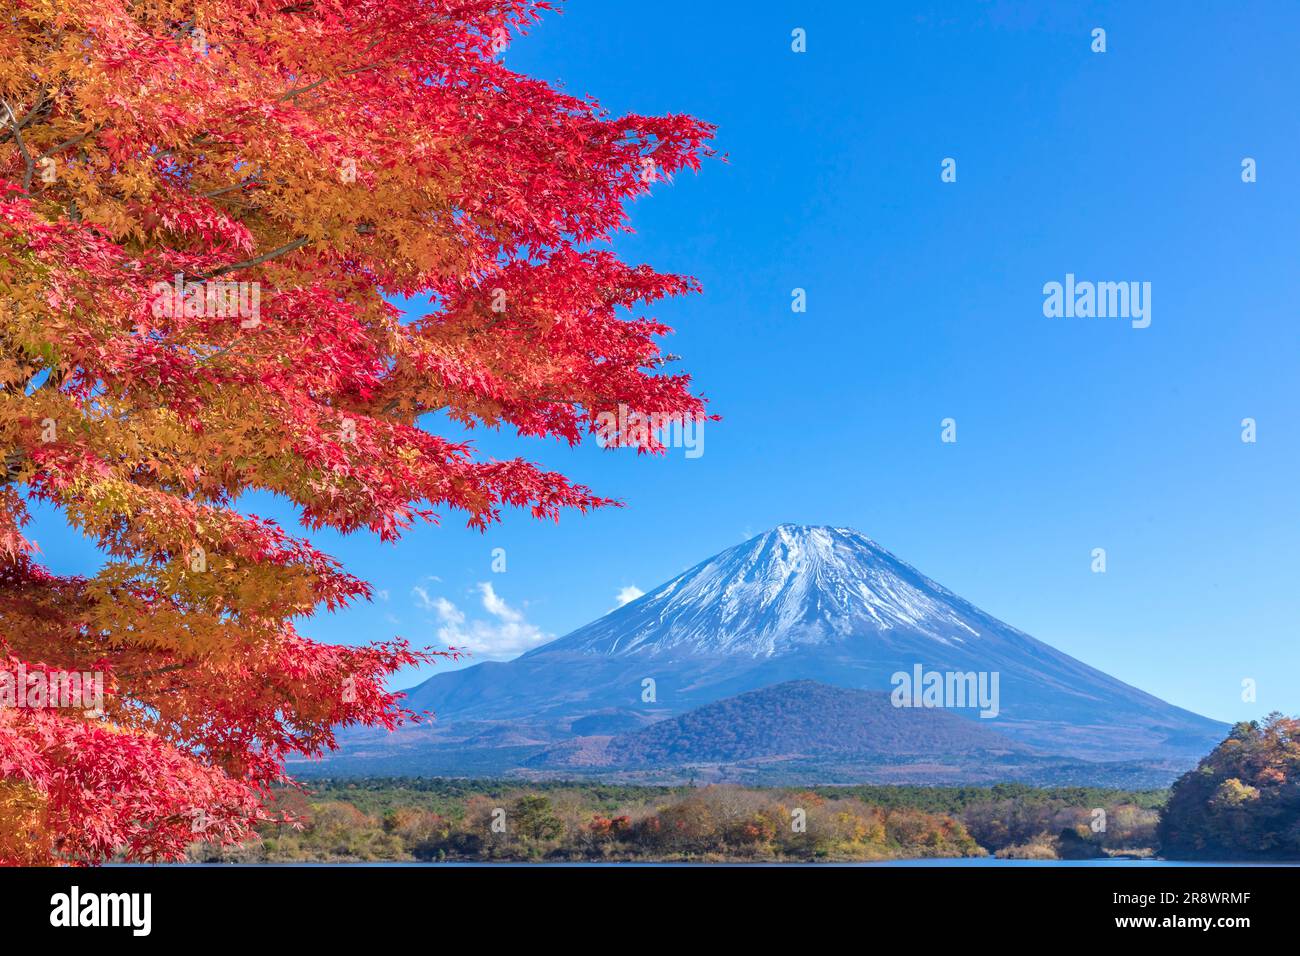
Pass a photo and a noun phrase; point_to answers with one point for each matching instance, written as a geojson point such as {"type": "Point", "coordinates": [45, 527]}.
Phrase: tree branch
{"type": "Point", "coordinates": [22, 147]}
{"type": "Point", "coordinates": [156, 671]}
{"type": "Point", "coordinates": [68, 142]}
{"type": "Point", "coordinates": [283, 250]}
{"type": "Point", "coordinates": [213, 193]}
{"type": "Point", "coordinates": [363, 229]}
{"type": "Point", "coordinates": [311, 86]}
{"type": "Point", "coordinates": [30, 115]}
{"type": "Point", "coordinates": [13, 466]}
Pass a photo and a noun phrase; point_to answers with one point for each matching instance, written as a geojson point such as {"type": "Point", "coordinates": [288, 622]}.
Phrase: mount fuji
{"type": "Point", "coordinates": [817, 606]}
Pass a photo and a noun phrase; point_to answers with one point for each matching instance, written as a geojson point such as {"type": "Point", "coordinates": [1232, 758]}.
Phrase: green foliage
{"type": "Point", "coordinates": [1242, 802]}
{"type": "Point", "coordinates": [958, 799]}
{"type": "Point", "coordinates": [535, 820]}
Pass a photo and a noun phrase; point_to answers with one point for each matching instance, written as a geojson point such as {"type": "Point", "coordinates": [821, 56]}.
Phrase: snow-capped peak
{"type": "Point", "coordinates": [792, 586]}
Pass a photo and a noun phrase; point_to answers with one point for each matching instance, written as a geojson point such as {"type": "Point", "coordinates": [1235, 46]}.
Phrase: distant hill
{"type": "Point", "coordinates": [791, 720]}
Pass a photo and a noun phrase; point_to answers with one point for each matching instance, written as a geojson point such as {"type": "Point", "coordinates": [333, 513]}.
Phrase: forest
{"type": "Point", "coordinates": [1240, 803]}
{"type": "Point", "coordinates": [411, 819]}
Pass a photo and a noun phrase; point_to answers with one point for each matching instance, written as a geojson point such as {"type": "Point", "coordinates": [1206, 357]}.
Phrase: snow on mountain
{"type": "Point", "coordinates": [790, 587]}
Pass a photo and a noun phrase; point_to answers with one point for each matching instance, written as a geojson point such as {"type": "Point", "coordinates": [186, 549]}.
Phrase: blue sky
{"type": "Point", "coordinates": [925, 302]}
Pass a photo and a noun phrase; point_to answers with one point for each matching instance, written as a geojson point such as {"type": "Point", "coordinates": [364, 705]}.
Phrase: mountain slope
{"type": "Point", "coordinates": [791, 720]}
{"type": "Point", "coordinates": [823, 604]}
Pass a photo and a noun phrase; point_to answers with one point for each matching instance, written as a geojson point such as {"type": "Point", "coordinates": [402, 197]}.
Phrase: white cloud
{"type": "Point", "coordinates": [422, 599]}
{"type": "Point", "coordinates": [497, 607]}
{"type": "Point", "coordinates": [505, 634]}
{"type": "Point", "coordinates": [628, 594]}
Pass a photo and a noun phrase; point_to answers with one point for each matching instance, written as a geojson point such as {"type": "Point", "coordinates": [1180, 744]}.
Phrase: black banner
{"type": "Point", "coordinates": [173, 904]}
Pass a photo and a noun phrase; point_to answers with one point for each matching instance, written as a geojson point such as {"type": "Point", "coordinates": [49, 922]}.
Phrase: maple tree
{"type": "Point", "coordinates": [206, 209]}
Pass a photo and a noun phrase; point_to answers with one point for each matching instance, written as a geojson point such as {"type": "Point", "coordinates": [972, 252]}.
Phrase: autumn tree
{"type": "Point", "coordinates": [1242, 801]}
{"type": "Point", "coordinates": [207, 210]}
